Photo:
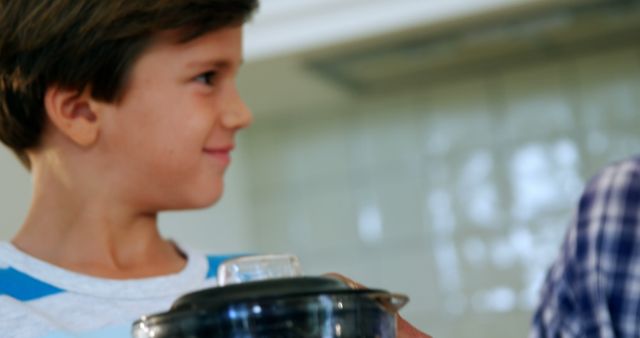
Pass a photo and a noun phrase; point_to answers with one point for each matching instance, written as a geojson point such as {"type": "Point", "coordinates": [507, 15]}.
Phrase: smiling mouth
{"type": "Point", "coordinates": [222, 155]}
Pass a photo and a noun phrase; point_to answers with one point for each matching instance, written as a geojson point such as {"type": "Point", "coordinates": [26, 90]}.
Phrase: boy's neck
{"type": "Point", "coordinates": [115, 241]}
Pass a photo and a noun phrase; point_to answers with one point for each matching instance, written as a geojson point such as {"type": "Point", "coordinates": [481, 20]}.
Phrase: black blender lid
{"type": "Point", "coordinates": [281, 287]}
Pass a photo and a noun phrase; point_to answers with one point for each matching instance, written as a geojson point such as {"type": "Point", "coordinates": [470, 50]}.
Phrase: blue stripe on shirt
{"type": "Point", "coordinates": [22, 287]}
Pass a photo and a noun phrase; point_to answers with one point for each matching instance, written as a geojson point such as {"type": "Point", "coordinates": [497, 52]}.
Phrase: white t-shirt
{"type": "Point", "coordinates": [40, 300]}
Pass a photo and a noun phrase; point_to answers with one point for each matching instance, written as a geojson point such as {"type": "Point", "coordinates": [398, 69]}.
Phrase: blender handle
{"type": "Point", "coordinates": [392, 302]}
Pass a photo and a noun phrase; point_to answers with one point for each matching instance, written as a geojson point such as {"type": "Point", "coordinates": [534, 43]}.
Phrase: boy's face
{"type": "Point", "coordinates": [168, 140]}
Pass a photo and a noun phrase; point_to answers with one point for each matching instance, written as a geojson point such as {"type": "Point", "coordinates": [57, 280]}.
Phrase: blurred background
{"type": "Point", "coordinates": [435, 148]}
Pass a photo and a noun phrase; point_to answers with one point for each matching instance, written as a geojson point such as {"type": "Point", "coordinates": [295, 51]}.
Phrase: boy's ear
{"type": "Point", "coordinates": [71, 112]}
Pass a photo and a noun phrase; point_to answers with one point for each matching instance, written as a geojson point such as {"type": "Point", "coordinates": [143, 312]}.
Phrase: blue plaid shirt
{"type": "Point", "coordinates": [593, 288]}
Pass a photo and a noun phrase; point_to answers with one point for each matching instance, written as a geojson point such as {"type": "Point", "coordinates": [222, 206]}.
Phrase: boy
{"type": "Point", "coordinates": [120, 109]}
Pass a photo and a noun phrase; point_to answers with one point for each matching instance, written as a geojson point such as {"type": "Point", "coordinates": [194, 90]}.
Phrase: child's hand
{"type": "Point", "coordinates": [404, 328]}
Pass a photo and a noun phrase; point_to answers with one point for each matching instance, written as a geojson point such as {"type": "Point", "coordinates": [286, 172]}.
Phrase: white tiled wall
{"type": "Point", "coordinates": [456, 193]}
{"type": "Point", "coordinates": [15, 193]}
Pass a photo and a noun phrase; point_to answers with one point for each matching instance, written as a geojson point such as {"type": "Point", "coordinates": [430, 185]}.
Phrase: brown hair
{"type": "Point", "coordinates": [77, 43]}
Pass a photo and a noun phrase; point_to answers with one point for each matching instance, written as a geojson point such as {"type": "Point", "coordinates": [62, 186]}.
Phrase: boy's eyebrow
{"type": "Point", "coordinates": [221, 64]}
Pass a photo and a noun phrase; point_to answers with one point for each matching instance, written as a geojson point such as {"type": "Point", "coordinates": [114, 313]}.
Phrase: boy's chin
{"type": "Point", "coordinates": [206, 201]}
{"type": "Point", "coordinates": [199, 201]}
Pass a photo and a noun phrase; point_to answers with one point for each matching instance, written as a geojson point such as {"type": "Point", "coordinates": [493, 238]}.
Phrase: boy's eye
{"type": "Point", "coordinates": [206, 78]}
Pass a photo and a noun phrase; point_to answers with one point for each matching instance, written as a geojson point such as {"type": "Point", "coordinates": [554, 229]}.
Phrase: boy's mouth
{"type": "Point", "coordinates": [221, 154]}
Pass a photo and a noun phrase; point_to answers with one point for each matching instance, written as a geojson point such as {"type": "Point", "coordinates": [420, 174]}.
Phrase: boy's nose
{"type": "Point", "coordinates": [237, 115]}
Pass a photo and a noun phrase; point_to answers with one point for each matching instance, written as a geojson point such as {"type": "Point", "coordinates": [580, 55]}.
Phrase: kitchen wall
{"type": "Point", "coordinates": [457, 193]}
{"type": "Point", "coordinates": [15, 193]}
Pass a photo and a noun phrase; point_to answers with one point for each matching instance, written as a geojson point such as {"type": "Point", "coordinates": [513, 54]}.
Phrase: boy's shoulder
{"type": "Point", "coordinates": [19, 319]}
{"type": "Point", "coordinates": [36, 306]}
